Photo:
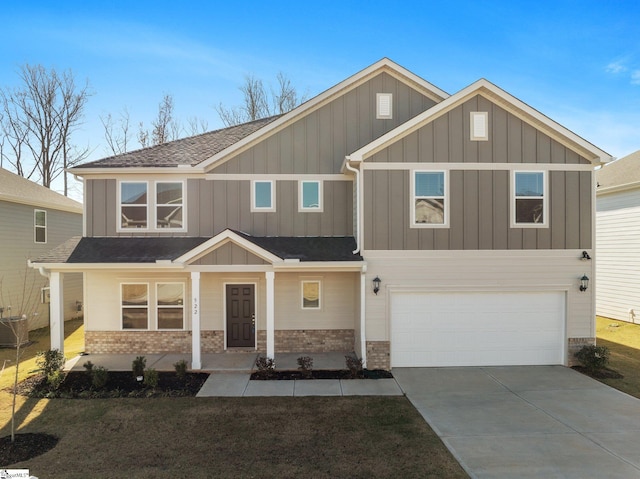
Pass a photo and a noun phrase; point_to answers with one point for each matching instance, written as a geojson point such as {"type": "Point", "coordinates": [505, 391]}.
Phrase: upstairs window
{"type": "Point", "coordinates": [169, 205]}
{"type": "Point", "coordinates": [135, 305]}
{"type": "Point", "coordinates": [429, 205]}
{"type": "Point", "coordinates": [133, 205]}
{"type": "Point", "coordinates": [310, 196]}
{"type": "Point", "coordinates": [529, 198]}
{"type": "Point", "coordinates": [170, 307]}
{"type": "Point", "coordinates": [40, 226]}
{"type": "Point", "coordinates": [262, 196]}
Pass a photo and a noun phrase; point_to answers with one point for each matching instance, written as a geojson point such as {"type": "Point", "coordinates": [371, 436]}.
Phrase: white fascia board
{"type": "Point", "coordinates": [323, 98]}
{"type": "Point", "coordinates": [328, 266]}
{"type": "Point", "coordinates": [618, 188]}
{"type": "Point", "coordinates": [80, 267]}
{"type": "Point", "coordinates": [137, 170]}
{"type": "Point", "coordinates": [41, 204]}
{"type": "Point", "coordinates": [222, 238]}
{"type": "Point", "coordinates": [505, 100]}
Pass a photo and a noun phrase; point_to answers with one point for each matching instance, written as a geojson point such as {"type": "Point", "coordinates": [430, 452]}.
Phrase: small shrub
{"type": "Point", "coordinates": [593, 357]}
{"type": "Point", "coordinates": [138, 366]}
{"type": "Point", "coordinates": [50, 361]}
{"type": "Point", "coordinates": [354, 365]}
{"type": "Point", "coordinates": [151, 377]}
{"type": "Point", "coordinates": [54, 380]}
{"type": "Point", "coordinates": [88, 366]}
{"type": "Point", "coordinates": [305, 365]}
{"type": "Point", "coordinates": [181, 369]}
{"type": "Point", "coordinates": [99, 377]}
{"type": "Point", "coordinates": [266, 367]}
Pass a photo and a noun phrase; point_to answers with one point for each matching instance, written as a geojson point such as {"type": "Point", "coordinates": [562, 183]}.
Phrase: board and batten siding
{"type": "Point", "coordinates": [618, 255]}
{"type": "Point", "coordinates": [479, 216]}
{"type": "Point", "coordinates": [215, 205]}
{"type": "Point", "coordinates": [446, 139]}
{"type": "Point", "coordinates": [318, 142]}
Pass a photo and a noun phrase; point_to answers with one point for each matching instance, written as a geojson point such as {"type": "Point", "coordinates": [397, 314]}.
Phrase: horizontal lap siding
{"type": "Point", "coordinates": [618, 259]}
{"type": "Point", "coordinates": [479, 203]}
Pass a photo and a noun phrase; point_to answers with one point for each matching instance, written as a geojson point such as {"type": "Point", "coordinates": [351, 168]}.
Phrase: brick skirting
{"type": "Point", "coordinates": [378, 355]}
{"type": "Point", "coordinates": [309, 340]}
{"type": "Point", "coordinates": [150, 342]}
{"type": "Point", "coordinates": [575, 345]}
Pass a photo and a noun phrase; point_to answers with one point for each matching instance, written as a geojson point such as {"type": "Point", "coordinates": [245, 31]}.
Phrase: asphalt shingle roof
{"type": "Point", "coordinates": [620, 172]}
{"type": "Point", "coordinates": [186, 151]}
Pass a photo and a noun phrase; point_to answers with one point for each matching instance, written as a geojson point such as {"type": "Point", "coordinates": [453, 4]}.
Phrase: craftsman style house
{"type": "Point", "coordinates": [383, 216]}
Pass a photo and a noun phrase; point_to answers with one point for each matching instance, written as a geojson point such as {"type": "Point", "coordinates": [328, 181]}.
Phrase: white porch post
{"type": "Point", "coordinates": [363, 317]}
{"type": "Point", "coordinates": [270, 275]}
{"type": "Point", "coordinates": [56, 311]}
{"type": "Point", "coordinates": [196, 360]}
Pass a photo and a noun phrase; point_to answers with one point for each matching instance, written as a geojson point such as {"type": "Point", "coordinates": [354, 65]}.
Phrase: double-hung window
{"type": "Point", "coordinates": [40, 226]}
{"type": "Point", "coordinates": [429, 204]}
{"type": "Point", "coordinates": [263, 196]}
{"type": "Point", "coordinates": [310, 196]}
{"type": "Point", "coordinates": [170, 305]}
{"type": "Point", "coordinates": [135, 305]}
{"type": "Point", "coordinates": [133, 204]}
{"type": "Point", "coordinates": [311, 291]}
{"type": "Point", "coordinates": [529, 204]}
{"type": "Point", "coordinates": [169, 204]}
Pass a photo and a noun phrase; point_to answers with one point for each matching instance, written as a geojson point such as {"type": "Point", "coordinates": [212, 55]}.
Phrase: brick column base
{"type": "Point", "coordinates": [378, 355]}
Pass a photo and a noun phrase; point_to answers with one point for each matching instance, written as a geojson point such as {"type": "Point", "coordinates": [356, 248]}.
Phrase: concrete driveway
{"type": "Point", "coordinates": [528, 421]}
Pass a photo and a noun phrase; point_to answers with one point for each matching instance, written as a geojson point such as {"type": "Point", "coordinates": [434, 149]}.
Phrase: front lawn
{"type": "Point", "coordinates": [623, 341]}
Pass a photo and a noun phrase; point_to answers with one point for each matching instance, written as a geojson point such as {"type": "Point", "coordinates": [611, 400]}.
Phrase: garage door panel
{"type": "Point", "coordinates": [471, 329]}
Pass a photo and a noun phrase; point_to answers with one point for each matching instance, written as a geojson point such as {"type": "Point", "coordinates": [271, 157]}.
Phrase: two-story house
{"type": "Point", "coordinates": [383, 216]}
{"type": "Point", "coordinates": [34, 219]}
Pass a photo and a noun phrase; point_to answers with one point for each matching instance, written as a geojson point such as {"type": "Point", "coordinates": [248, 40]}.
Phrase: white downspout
{"type": "Point", "coordinates": [357, 195]}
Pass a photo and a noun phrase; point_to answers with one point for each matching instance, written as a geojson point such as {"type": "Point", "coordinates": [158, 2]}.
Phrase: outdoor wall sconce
{"type": "Point", "coordinates": [584, 283]}
{"type": "Point", "coordinates": [585, 256]}
{"type": "Point", "coordinates": [376, 285]}
{"type": "Point", "coordinates": [78, 306]}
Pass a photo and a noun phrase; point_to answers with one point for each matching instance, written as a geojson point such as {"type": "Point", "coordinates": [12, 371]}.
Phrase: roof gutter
{"type": "Point", "coordinates": [357, 195]}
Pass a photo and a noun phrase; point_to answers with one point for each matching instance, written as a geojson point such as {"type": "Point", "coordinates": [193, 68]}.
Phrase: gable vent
{"type": "Point", "coordinates": [384, 104]}
{"type": "Point", "coordinates": [479, 126]}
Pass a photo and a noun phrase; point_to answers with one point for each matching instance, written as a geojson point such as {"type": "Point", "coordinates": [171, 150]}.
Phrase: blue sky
{"type": "Point", "coordinates": [578, 62]}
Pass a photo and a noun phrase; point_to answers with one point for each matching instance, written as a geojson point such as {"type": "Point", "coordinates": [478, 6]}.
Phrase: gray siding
{"type": "Point", "coordinates": [20, 286]}
{"type": "Point", "coordinates": [319, 142]}
{"type": "Point", "coordinates": [213, 206]}
{"type": "Point", "coordinates": [479, 205]}
{"type": "Point", "coordinates": [229, 254]}
{"type": "Point", "coordinates": [447, 140]}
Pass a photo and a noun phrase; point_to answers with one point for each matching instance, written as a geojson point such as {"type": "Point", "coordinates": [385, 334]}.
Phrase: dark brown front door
{"type": "Point", "coordinates": [241, 330]}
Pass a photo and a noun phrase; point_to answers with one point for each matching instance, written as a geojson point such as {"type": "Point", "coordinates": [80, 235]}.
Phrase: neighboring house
{"type": "Point", "coordinates": [618, 239]}
{"type": "Point", "coordinates": [383, 216]}
{"type": "Point", "coordinates": [34, 219]}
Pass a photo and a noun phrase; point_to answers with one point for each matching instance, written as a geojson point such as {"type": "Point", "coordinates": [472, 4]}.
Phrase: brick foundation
{"type": "Point", "coordinates": [575, 344]}
{"type": "Point", "coordinates": [309, 340]}
{"type": "Point", "coordinates": [378, 355]}
{"type": "Point", "coordinates": [150, 342]}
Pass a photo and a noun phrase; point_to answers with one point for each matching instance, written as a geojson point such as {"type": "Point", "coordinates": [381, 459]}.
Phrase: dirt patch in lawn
{"type": "Point", "coordinates": [25, 447]}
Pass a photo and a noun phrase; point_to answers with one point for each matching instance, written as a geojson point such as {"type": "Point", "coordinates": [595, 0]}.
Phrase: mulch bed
{"type": "Point", "coordinates": [77, 384]}
{"type": "Point", "coordinates": [25, 447]}
{"type": "Point", "coordinates": [604, 373]}
{"type": "Point", "coordinates": [320, 374]}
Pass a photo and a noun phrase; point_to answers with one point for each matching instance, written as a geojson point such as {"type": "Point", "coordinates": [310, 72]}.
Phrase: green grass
{"type": "Point", "coordinates": [623, 341]}
{"type": "Point", "coordinates": [355, 437]}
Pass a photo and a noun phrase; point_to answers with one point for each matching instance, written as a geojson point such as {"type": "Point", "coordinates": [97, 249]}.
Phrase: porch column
{"type": "Point", "coordinates": [56, 311]}
{"type": "Point", "coordinates": [270, 275]}
{"type": "Point", "coordinates": [196, 360]}
{"type": "Point", "coordinates": [363, 317]}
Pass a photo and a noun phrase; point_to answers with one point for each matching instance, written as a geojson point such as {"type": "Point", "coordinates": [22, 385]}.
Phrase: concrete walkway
{"type": "Point", "coordinates": [529, 421]}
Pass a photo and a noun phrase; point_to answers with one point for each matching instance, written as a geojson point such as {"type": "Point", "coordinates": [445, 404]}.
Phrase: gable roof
{"type": "Point", "coordinates": [16, 189]}
{"type": "Point", "coordinates": [184, 152]}
{"type": "Point", "coordinates": [620, 174]}
{"type": "Point", "coordinates": [504, 100]}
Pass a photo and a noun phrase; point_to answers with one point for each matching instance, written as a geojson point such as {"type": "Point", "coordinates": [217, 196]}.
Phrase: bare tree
{"type": "Point", "coordinates": [117, 136]}
{"type": "Point", "coordinates": [196, 126]}
{"type": "Point", "coordinates": [257, 103]}
{"type": "Point", "coordinates": [39, 119]}
{"type": "Point", "coordinates": [164, 127]}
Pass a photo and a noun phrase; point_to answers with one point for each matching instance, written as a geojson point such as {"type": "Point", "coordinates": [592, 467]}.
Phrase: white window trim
{"type": "Point", "coordinates": [45, 295]}
{"type": "Point", "coordinates": [119, 227]}
{"type": "Point", "coordinates": [154, 214]}
{"type": "Point", "coordinates": [308, 308]}
{"type": "Point", "coordinates": [122, 306]}
{"type": "Point", "coordinates": [36, 226]}
{"type": "Point", "coordinates": [445, 224]}
{"type": "Point", "coordinates": [256, 209]}
{"type": "Point", "coordinates": [158, 306]}
{"type": "Point", "coordinates": [316, 209]}
{"type": "Point", "coordinates": [545, 200]}
{"type": "Point", "coordinates": [380, 116]}
{"type": "Point", "coordinates": [479, 116]}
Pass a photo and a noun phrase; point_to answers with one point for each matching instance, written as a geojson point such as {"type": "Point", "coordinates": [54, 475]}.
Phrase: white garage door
{"type": "Point", "coordinates": [477, 329]}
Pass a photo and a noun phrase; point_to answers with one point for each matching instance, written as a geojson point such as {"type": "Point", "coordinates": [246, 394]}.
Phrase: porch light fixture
{"type": "Point", "coordinates": [584, 283]}
{"type": "Point", "coordinates": [376, 285]}
{"type": "Point", "coordinates": [585, 256]}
